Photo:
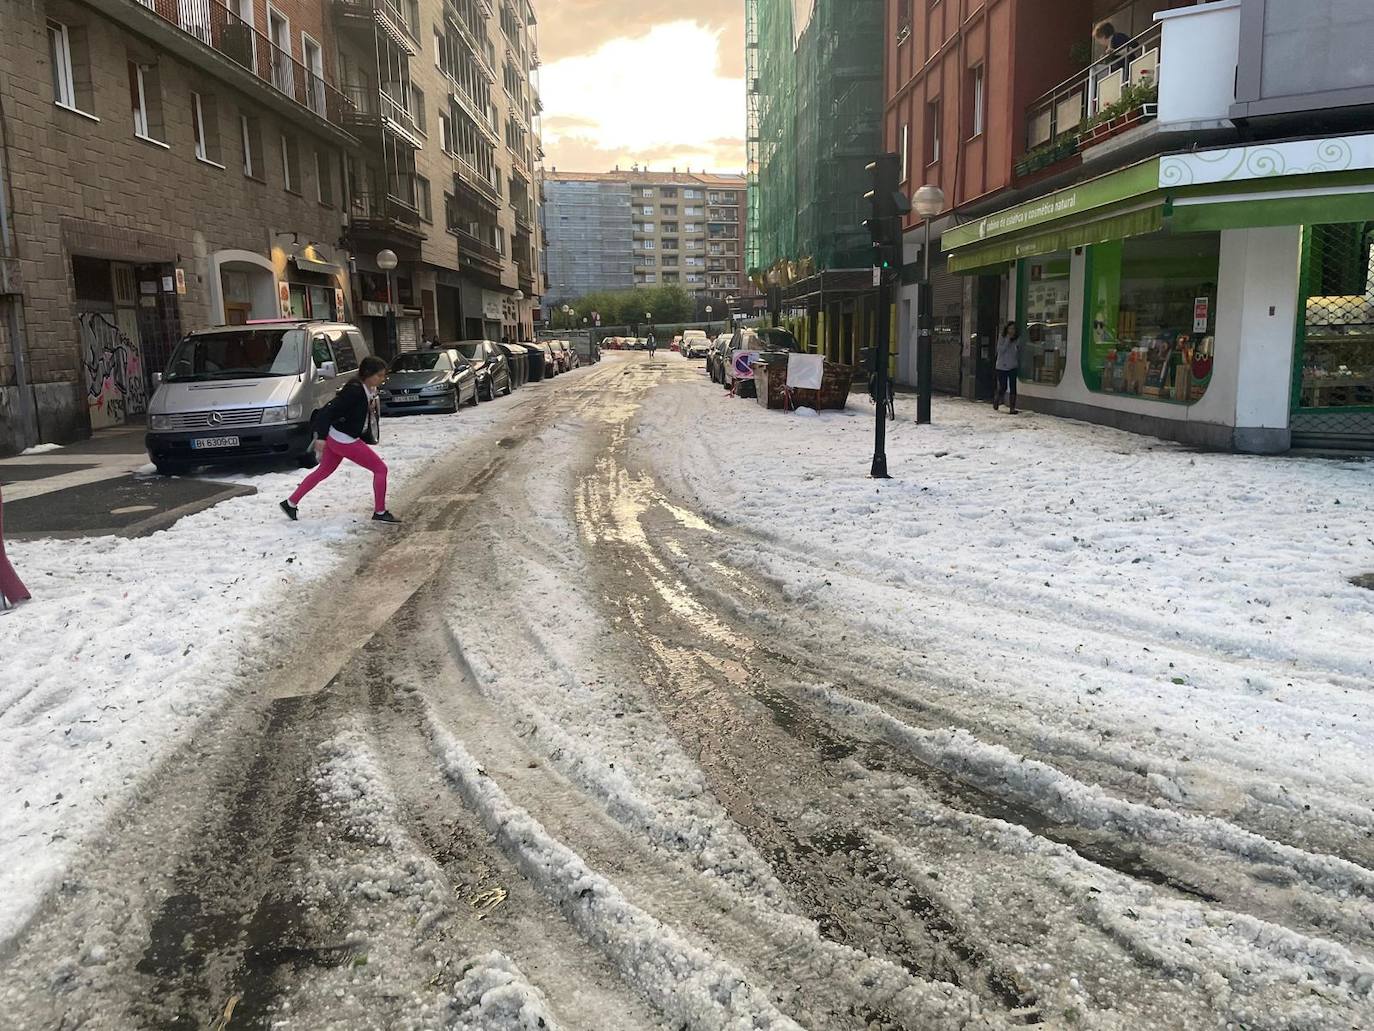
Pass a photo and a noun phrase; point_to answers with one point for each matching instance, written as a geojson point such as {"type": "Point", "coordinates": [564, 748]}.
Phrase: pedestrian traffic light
{"type": "Point", "coordinates": [886, 207]}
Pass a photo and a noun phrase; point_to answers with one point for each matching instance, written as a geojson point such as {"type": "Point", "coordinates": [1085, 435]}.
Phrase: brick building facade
{"type": "Point", "coordinates": [137, 215]}
{"type": "Point", "coordinates": [167, 165]}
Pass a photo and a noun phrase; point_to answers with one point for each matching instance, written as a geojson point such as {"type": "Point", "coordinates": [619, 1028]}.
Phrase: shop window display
{"type": "Point", "coordinates": [1043, 289]}
{"type": "Point", "coordinates": [1151, 316]}
{"type": "Point", "coordinates": [1337, 353]}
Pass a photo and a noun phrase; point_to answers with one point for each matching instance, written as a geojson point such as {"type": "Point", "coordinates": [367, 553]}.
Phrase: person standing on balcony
{"type": "Point", "coordinates": [1108, 38]}
{"type": "Point", "coordinates": [1008, 367]}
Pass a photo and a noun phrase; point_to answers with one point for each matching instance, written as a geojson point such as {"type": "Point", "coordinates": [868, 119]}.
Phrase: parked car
{"type": "Point", "coordinates": [715, 358]}
{"type": "Point", "coordinates": [539, 356]}
{"type": "Point", "coordinates": [237, 392]}
{"type": "Point", "coordinates": [560, 356]}
{"type": "Point", "coordinates": [437, 380]}
{"type": "Point", "coordinates": [695, 344]}
{"type": "Point", "coordinates": [570, 356]}
{"type": "Point", "coordinates": [765, 341]}
{"type": "Point", "coordinates": [518, 358]}
{"type": "Point", "coordinates": [491, 365]}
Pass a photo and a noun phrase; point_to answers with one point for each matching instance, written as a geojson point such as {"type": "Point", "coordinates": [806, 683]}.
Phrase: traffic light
{"type": "Point", "coordinates": [887, 204]}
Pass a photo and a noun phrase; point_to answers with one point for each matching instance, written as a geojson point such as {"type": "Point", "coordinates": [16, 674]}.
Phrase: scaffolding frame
{"type": "Point", "coordinates": [815, 121]}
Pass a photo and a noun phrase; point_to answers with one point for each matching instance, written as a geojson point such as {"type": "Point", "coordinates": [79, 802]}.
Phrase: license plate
{"type": "Point", "coordinates": [404, 400]}
{"type": "Point", "coordinates": [205, 443]}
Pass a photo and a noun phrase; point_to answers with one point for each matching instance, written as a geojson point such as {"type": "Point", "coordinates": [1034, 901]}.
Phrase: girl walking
{"type": "Point", "coordinates": [347, 427]}
{"type": "Point", "coordinates": [12, 589]}
{"type": "Point", "coordinates": [1008, 367]}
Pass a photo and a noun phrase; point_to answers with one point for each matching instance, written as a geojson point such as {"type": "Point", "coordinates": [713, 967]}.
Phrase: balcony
{"type": "Point", "coordinates": [474, 251]}
{"type": "Point", "coordinates": [475, 36]}
{"type": "Point", "coordinates": [524, 218]}
{"type": "Point", "coordinates": [374, 112]}
{"type": "Point", "coordinates": [374, 214]}
{"type": "Point", "coordinates": [212, 38]}
{"type": "Point", "coordinates": [1176, 77]}
{"type": "Point", "coordinates": [364, 15]}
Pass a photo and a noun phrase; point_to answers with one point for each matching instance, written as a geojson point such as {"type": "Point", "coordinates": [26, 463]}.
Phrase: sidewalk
{"type": "Point", "coordinates": [99, 487]}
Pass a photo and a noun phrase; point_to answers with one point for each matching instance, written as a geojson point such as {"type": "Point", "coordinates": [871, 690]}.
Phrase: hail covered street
{"type": "Point", "coordinates": [629, 726]}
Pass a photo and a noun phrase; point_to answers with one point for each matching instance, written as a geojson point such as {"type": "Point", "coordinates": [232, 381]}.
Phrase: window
{"type": "Point", "coordinates": [422, 194]}
{"type": "Point", "coordinates": [446, 134]}
{"type": "Point", "coordinates": [906, 153]}
{"type": "Point", "coordinates": [691, 227]}
{"type": "Point", "coordinates": [693, 194]}
{"type": "Point", "coordinates": [669, 209]}
{"type": "Point", "coordinates": [324, 178]}
{"type": "Point", "coordinates": [932, 132]}
{"type": "Point", "coordinates": [668, 191]}
{"type": "Point", "coordinates": [670, 243]}
{"type": "Point", "coordinates": [415, 106]}
{"type": "Point", "coordinates": [647, 209]}
{"type": "Point", "coordinates": [60, 48]}
{"type": "Point", "coordinates": [314, 75]}
{"type": "Point", "coordinates": [692, 212]}
{"type": "Point", "coordinates": [670, 227]}
{"type": "Point", "coordinates": [1151, 316]}
{"type": "Point", "coordinates": [145, 101]}
{"type": "Point", "coordinates": [290, 164]}
{"type": "Point", "coordinates": [647, 192]}
{"type": "Point", "coordinates": [205, 123]}
{"type": "Point", "coordinates": [979, 106]}
{"type": "Point", "coordinates": [250, 135]}
{"type": "Point", "coordinates": [1043, 287]}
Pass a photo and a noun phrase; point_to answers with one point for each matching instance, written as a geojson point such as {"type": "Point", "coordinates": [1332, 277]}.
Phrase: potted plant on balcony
{"type": "Point", "coordinates": [1137, 102]}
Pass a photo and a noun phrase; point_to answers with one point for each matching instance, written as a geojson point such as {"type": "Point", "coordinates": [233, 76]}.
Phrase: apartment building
{"type": "Point", "coordinates": [1180, 218]}
{"type": "Point", "coordinates": [164, 165]}
{"type": "Point", "coordinates": [444, 98]}
{"type": "Point", "coordinates": [662, 228]}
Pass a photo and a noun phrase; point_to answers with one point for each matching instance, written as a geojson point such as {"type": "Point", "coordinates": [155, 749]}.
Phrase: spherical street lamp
{"type": "Point", "coordinates": [928, 201]}
{"type": "Point", "coordinates": [387, 260]}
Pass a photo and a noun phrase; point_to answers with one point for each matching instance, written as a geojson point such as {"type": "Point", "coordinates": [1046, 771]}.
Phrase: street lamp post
{"type": "Point", "coordinates": [730, 311]}
{"type": "Point", "coordinates": [387, 262]}
{"type": "Point", "coordinates": [928, 202]}
{"type": "Point", "coordinates": [708, 320]}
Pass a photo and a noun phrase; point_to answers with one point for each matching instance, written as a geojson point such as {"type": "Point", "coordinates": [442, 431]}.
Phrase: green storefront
{"type": "Point", "coordinates": [1224, 298]}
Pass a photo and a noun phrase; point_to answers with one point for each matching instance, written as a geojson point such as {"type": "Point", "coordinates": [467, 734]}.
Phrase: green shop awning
{"type": "Point", "coordinates": [1110, 227]}
{"type": "Point", "coordinates": [1252, 212]}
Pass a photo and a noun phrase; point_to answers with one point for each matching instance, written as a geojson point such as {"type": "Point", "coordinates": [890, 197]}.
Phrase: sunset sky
{"type": "Point", "coordinates": [656, 82]}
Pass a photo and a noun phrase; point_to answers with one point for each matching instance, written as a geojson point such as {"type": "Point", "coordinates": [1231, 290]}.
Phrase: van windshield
{"type": "Point", "coordinates": [238, 354]}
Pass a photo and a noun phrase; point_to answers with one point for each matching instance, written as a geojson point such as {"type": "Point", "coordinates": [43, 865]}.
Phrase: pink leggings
{"type": "Point", "coordinates": [11, 587]}
{"type": "Point", "coordinates": [359, 453]}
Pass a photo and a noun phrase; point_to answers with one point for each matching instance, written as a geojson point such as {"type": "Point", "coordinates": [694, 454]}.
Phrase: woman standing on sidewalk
{"type": "Point", "coordinates": [1008, 367]}
{"type": "Point", "coordinates": [346, 428]}
{"type": "Point", "coordinates": [12, 589]}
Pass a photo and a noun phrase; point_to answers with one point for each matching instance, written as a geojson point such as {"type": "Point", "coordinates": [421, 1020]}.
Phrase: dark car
{"type": "Point", "coordinates": [535, 358]}
{"type": "Point", "coordinates": [491, 365]}
{"type": "Point", "coordinates": [438, 380]}
{"type": "Point", "coordinates": [716, 358]}
{"type": "Point", "coordinates": [519, 361]}
{"type": "Point", "coordinates": [770, 340]}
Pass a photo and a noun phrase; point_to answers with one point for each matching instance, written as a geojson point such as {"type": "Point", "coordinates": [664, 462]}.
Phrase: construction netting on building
{"type": "Point", "coordinates": [815, 107]}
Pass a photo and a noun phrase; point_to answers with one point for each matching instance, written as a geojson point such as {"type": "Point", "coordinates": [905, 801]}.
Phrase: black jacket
{"type": "Point", "coordinates": [349, 413]}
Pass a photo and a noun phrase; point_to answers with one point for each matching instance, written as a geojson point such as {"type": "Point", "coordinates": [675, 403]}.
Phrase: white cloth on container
{"type": "Point", "coordinates": [804, 371]}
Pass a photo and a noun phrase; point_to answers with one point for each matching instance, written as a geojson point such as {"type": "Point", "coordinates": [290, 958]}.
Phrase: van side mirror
{"type": "Point", "coordinates": [328, 370]}
{"type": "Point", "coordinates": [157, 379]}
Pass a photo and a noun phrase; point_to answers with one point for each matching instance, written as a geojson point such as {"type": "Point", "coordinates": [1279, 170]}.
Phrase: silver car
{"type": "Point", "coordinates": [247, 392]}
{"type": "Point", "coordinates": [428, 381]}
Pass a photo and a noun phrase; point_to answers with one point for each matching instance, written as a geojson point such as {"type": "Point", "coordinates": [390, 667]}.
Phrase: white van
{"type": "Point", "coordinates": [248, 392]}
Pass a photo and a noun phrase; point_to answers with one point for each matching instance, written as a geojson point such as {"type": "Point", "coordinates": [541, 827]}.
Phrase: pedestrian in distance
{"type": "Point", "coordinates": [347, 427]}
{"type": "Point", "coordinates": [652, 342]}
{"type": "Point", "coordinates": [12, 589]}
{"type": "Point", "coordinates": [1008, 367]}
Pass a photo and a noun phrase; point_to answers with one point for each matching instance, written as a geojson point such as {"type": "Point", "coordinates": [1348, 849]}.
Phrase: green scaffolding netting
{"type": "Point", "coordinates": [815, 110]}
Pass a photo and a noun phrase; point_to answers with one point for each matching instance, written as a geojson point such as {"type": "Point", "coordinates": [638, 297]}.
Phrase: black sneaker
{"type": "Point", "coordinates": [290, 510]}
{"type": "Point", "coordinates": [384, 517]}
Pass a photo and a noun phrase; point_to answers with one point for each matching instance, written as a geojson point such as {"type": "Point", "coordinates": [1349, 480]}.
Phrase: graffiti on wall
{"type": "Point", "coordinates": [113, 368]}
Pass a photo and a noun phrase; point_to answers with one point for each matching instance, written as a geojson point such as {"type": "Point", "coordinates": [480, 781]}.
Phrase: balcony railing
{"type": "Point", "coordinates": [386, 14]}
{"type": "Point", "coordinates": [220, 29]}
{"type": "Point", "coordinates": [469, 246]}
{"type": "Point", "coordinates": [374, 109]}
{"type": "Point", "coordinates": [1095, 89]}
{"type": "Point", "coordinates": [372, 211]}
